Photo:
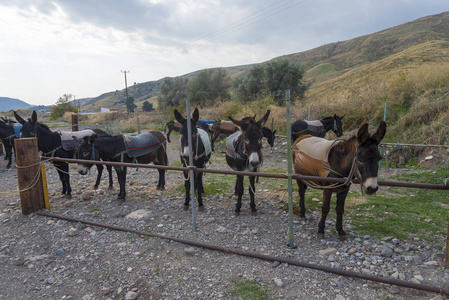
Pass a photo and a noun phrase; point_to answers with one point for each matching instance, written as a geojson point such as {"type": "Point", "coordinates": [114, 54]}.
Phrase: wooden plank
{"type": "Point", "coordinates": [29, 176]}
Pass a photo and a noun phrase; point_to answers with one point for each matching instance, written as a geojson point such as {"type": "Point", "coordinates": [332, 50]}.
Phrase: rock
{"type": "Point", "coordinates": [190, 251]}
{"type": "Point", "coordinates": [73, 232]}
{"type": "Point", "coordinates": [275, 264]}
{"type": "Point", "coordinates": [86, 196]}
{"type": "Point", "coordinates": [339, 297]}
{"type": "Point", "coordinates": [279, 282]}
{"type": "Point", "coordinates": [221, 229]}
{"type": "Point", "coordinates": [140, 214]}
{"type": "Point", "coordinates": [51, 280]}
{"type": "Point", "coordinates": [131, 296]}
{"type": "Point", "coordinates": [328, 251]}
{"type": "Point", "coordinates": [387, 252]}
{"type": "Point", "coordinates": [59, 251]}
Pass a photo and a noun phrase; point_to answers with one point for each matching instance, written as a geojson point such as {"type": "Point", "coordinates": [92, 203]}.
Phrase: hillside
{"type": "Point", "coordinates": [330, 67]}
{"type": "Point", "coordinates": [7, 104]}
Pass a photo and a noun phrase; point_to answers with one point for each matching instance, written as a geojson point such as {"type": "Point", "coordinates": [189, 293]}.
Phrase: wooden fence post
{"type": "Point", "coordinates": [74, 122]}
{"type": "Point", "coordinates": [29, 176]}
{"type": "Point", "coordinates": [138, 125]}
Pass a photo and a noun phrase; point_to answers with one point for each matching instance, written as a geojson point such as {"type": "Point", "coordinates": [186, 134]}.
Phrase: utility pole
{"type": "Point", "coordinates": [126, 89]}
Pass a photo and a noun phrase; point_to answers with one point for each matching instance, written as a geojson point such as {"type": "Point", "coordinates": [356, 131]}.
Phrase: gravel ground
{"type": "Point", "coordinates": [47, 258]}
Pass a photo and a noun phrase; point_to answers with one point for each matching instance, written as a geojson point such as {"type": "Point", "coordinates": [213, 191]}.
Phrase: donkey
{"type": "Point", "coordinates": [356, 157]}
{"type": "Point", "coordinates": [201, 150]}
{"type": "Point", "coordinates": [244, 152]}
{"type": "Point", "coordinates": [51, 144]}
{"type": "Point", "coordinates": [318, 127]}
{"type": "Point", "coordinates": [144, 148]}
{"type": "Point", "coordinates": [8, 134]}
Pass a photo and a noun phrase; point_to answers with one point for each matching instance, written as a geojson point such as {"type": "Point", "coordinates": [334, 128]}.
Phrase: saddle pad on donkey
{"type": "Point", "coordinates": [227, 125]}
{"type": "Point", "coordinates": [315, 126]}
{"type": "Point", "coordinates": [205, 138]}
{"type": "Point", "coordinates": [141, 144]}
{"type": "Point", "coordinates": [68, 143]}
{"type": "Point", "coordinates": [231, 144]}
{"type": "Point", "coordinates": [311, 154]}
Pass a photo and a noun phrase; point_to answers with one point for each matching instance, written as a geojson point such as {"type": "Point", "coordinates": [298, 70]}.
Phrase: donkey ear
{"type": "Point", "coordinates": [380, 133]}
{"type": "Point", "coordinates": [242, 125]}
{"type": "Point", "coordinates": [91, 139]}
{"type": "Point", "coordinates": [179, 117]}
{"type": "Point", "coordinates": [341, 118]}
{"type": "Point", "coordinates": [34, 117]}
{"type": "Point", "coordinates": [19, 118]}
{"type": "Point", "coordinates": [196, 115]}
{"type": "Point", "coordinates": [264, 119]}
{"type": "Point", "coordinates": [362, 134]}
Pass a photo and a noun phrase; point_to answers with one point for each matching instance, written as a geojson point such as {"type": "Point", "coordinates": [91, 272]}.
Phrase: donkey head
{"type": "Point", "coordinates": [252, 137]}
{"type": "Point", "coordinates": [368, 156]}
{"type": "Point", "coordinates": [184, 132]}
{"type": "Point", "coordinates": [86, 151]}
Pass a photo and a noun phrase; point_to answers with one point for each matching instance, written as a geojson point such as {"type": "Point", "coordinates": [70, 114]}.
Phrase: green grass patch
{"type": "Point", "coordinates": [248, 290]}
{"type": "Point", "coordinates": [93, 209]}
{"type": "Point", "coordinates": [403, 212]}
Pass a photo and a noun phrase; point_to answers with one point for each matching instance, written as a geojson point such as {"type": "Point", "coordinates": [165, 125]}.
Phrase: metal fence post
{"type": "Point", "coordinates": [291, 244]}
{"type": "Point", "coordinates": [191, 172]}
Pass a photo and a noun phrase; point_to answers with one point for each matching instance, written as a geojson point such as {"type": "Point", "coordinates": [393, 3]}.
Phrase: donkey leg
{"type": "Point", "coordinates": [109, 168]}
{"type": "Point", "coordinates": [239, 192]}
{"type": "Point", "coordinates": [121, 176]}
{"type": "Point", "coordinates": [99, 173]}
{"type": "Point", "coordinates": [252, 203]}
{"type": "Point", "coordinates": [199, 190]}
{"type": "Point", "coordinates": [340, 209]}
{"type": "Point", "coordinates": [161, 181]}
{"type": "Point", "coordinates": [324, 211]}
{"type": "Point", "coordinates": [187, 188]}
{"type": "Point", "coordinates": [302, 192]}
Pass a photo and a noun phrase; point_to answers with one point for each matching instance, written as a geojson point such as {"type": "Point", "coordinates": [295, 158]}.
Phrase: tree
{"type": "Point", "coordinates": [131, 104]}
{"type": "Point", "coordinates": [172, 91]}
{"type": "Point", "coordinates": [272, 78]}
{"type": "Point", "coordinates": [209, 85]}
{"type": "Point", "coordinates": [62, 105]}
{"type": "Point", "coordinates": [147, 106]}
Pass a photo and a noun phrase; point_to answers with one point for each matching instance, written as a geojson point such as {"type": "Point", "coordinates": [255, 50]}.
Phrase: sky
{"type": "Point", "coordinates": [83, 47]}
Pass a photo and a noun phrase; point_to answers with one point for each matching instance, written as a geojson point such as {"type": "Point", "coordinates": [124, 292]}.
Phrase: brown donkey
{"type": "Point", "coordinates": [356, 157]}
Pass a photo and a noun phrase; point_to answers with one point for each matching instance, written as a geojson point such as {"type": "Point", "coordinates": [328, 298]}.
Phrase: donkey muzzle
{"type": "Point", "coordinates": [254, 160]}
{"type": "Point", "coordinates": [370, 185]}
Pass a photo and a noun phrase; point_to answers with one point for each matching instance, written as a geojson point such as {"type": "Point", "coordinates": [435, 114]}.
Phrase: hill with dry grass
{"type": "Point", "coordinates": [404, 69]}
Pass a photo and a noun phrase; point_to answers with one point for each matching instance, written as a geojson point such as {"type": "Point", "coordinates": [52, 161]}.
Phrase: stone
{"type": "Point", "coordinates": [59, 251]}
{"type": "Point", "coordinates": [278, 282]}
{"type": "Point", "coordinates": [387, 252]}
{"type": "Point", "coordinates": [328, 251]}
{"type": "Point", "coordinates": [131, 295]}
{"type": "Point", "coordinates": [140, 214]}
{"type": "Point", "coordinates": [86, 196]}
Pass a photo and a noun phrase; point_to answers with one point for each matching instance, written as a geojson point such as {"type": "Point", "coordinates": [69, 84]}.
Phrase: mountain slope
{"type": "Point", "coordinates": [7, 104]}
{"type": "Point", "coordinates": [423, 39]}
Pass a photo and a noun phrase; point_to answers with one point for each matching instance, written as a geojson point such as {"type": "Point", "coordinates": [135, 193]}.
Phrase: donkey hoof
{"type": "Point", "coordinates": [111, 187]}
{"type": "Point", "coordinates": [8, 167]}
{"type": "Point", "coordinates": [302, 219]}
{"type": "Point", "coordinates": [185, 207]}
{"type": "Point", "coordinates": [236, 213]}
{"type": "Point", "coordinates": [343, 237]}
{"type": "Point", "coordinates": [321, 236]}
{"type": "Point", "coordinates": [201, 208]}
{"type": "Point", "coordinates": [95, 187]}
{"type": "Point", "coordinates": [68, 196]}
{"type": "Point", "coordinates": [121, 200]}
{"type": "Point", "coordinates": [254, 213]}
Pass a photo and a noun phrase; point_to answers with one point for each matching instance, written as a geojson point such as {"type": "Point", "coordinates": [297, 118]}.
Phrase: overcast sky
{"type": "Point", "coordinates": [80, 47]}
